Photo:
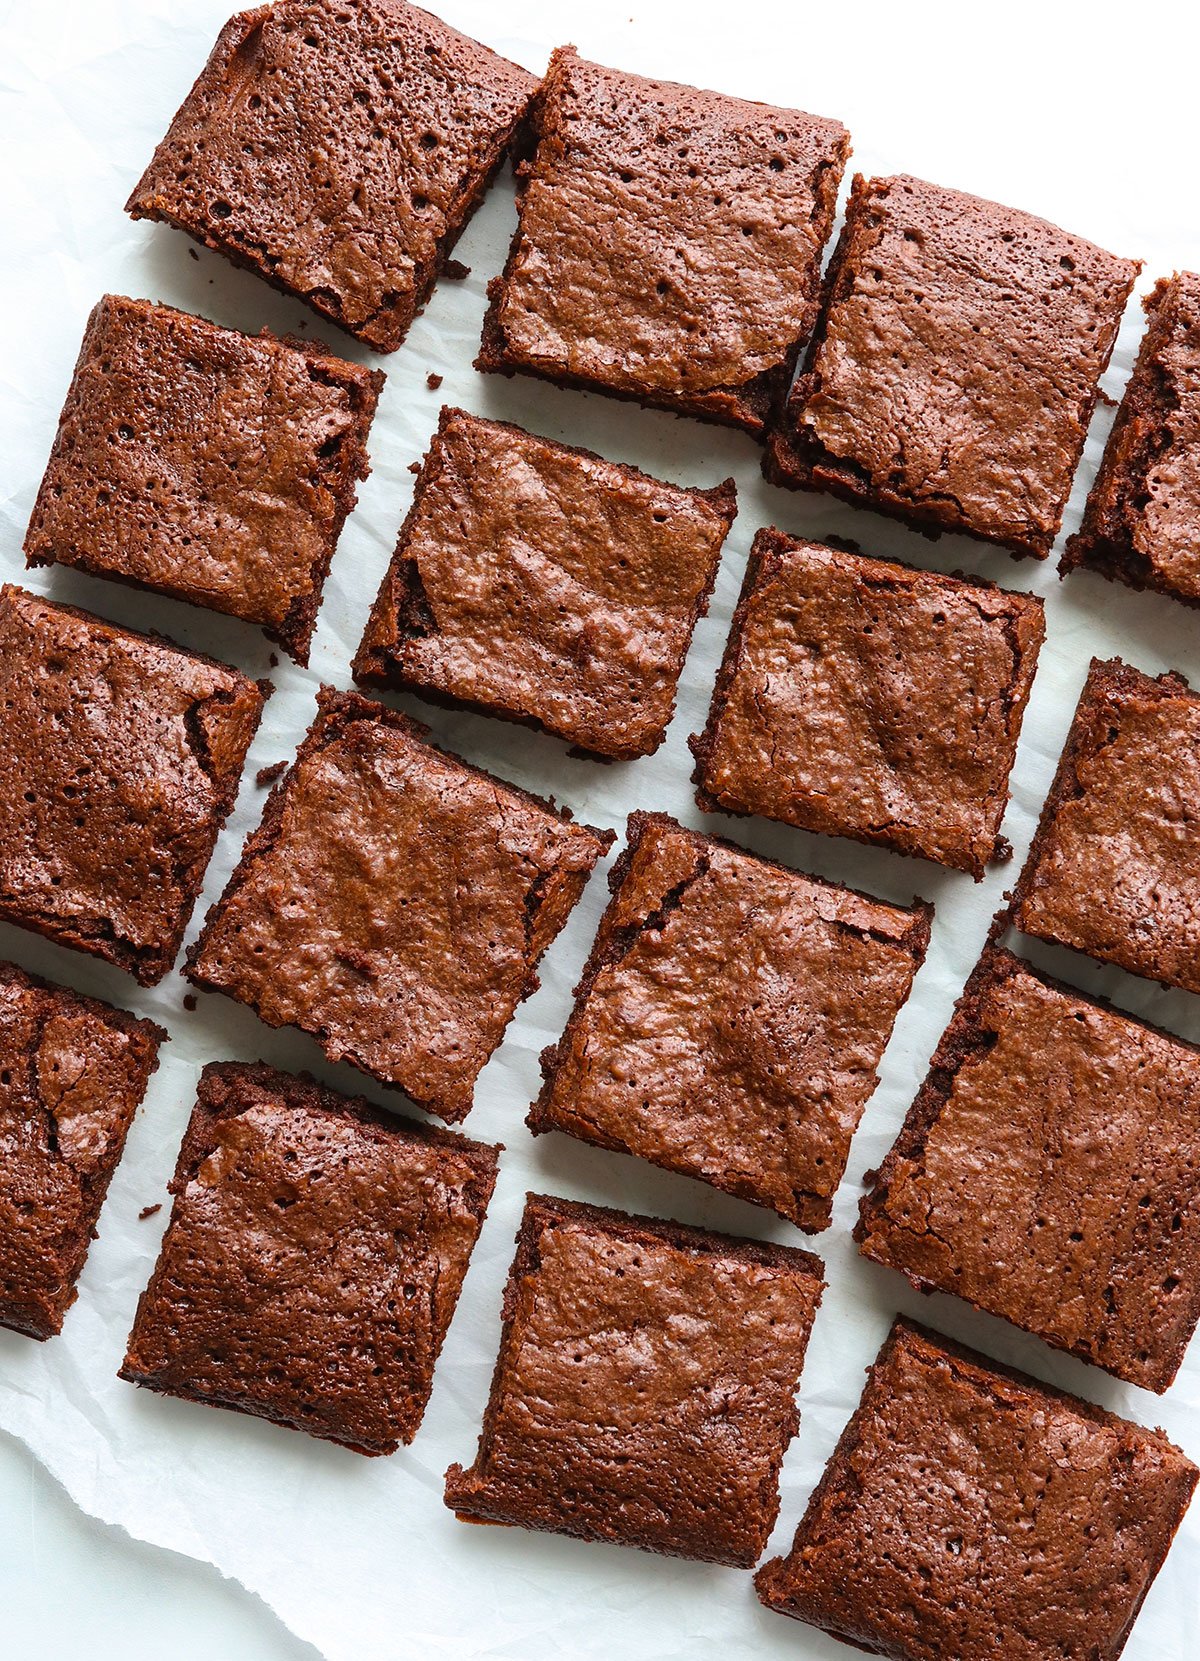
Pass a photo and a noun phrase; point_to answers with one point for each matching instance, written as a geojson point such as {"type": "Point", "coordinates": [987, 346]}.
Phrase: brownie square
{"type": "Point", "coordinates": [541, 583]}
{"type": "Point", "coordinates": [205, 464]}
{"type": "Point", "coordinates": [313, 1259]}
{"type": "Point", "coordinates": [1142, 521]}
{"type": "Point", "coordinates": [954, 366]}
{"type": "Point", "coordinates": [863, 698]}
{"type": "Point", "coordinates": [757, 1084]}
{"type": "Point", "coordinates": [970, 1512]}
{"type": "Point", "coordinates": [394, 903]}
{"type": "Point", "coordinates": [1114, 869]}
{"type": "Point", "coordinates": [669, 244]}
{"type": "Point", "coordinates": [72, 1073]}
{"type": "Point", "coordinates": [120, 756]}
{"type": "Point", "coordinates": [644, 1391]}
{"type": "Point", "coordinates": [338, 148]}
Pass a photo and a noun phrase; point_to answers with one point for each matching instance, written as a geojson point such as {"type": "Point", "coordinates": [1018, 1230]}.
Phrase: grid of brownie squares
{"type": "Point", "coordinates": [644, 1390]}
{"type": "Point", "coordinates": [730, 1019]}
{"type": "Point", "coordinates": [204, 464]}
{"type": "Point", "coordinates": [313, 1259]}
{"type": "Point", "coordinates": [864, 698]}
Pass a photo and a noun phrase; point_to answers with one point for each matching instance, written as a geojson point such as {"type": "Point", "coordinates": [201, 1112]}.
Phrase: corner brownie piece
{"type": "Point", "coordinates": [1049, 1172]}
{"type": "Point", "coordinates": [313, 1259]}
{"type": "Point", "coordinates": [862, 698]}
{"type": "Point", "coordinates": [1142, 521]}
{"type": "Point", "coordinates": [970, 1512]}
{"type": "Point", "coordinates": [120, 756]}
{"type": "Point", "coordinates": [955, 364]}
{"type": "Point", "coordinates": [1114, 869]}
{"type": "Point", "coordinates": [669, 244]}
{"type": "Point", "coordinates": [730, 1019]}
{"type": "Point", "coordinates": [72, 1073]}
{"type": "Point", "coordinates": [394, 903]}
{"type": "Point", "coordinates": [337, 148]}
{"type": "Point", "coordinates": [644, 1392]}
{"type": "Point", "coordinates": [205, 464]}
{"type": "Point", "coordinates": [539, 582]}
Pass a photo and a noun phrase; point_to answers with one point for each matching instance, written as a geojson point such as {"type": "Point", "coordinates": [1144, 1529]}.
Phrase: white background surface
{"type": "Point", "coordinates": [1044, 108]}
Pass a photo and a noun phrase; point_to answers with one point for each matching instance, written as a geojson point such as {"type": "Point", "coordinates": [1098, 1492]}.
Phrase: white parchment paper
{"type": "Point", "coordinates": [360, 1556]}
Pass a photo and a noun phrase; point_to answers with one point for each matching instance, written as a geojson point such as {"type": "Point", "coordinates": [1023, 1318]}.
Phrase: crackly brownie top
{"type": "Point", "coordinates": [394, 902]}
{"type": "Point", "coordinates": [644, 1389]}
{"type": "Point", "coordinates": [731, 1019]}
{"type": "Point", "coordinates": [670, 239]}
{"type": "Point", "coordinates": [1048, 1172]}
{"type": "Point", "coordinates": [970, 1512]}
{"type": "Point", "coordinates": [119, 759]}
{"type": "Point", "coordinates": [198, 460]}
{"type": "Point", "coordinates": [72, 1072]}
{"type": "Point", "coordinates": [1115, 867]}
{"type": "Point", "coordinates": [333, 144]}
{"type": "Point", "coordinates": [867, 699]}
{"type": "Point", "coordinates": [959, 355]}
{"type": "Point", "coordinates": [313, 1259]}
{"type": "Point", "coordinates": [543, 582]}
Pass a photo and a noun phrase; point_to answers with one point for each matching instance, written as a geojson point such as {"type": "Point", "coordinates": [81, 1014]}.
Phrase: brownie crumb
{"type": "Point", "coordinates": [273, 661]}
{"type": "Point", "coordinates": [149, 1211]}
{"type": "Point", "coordinates": [1002, 852]}
{"type": "Point", "coordinates": [190, 1000]}
{"type": "Point", "coordinates": [455, 271]}
{"type": "Point", "coordinates": [267, 775]}
{"type": "Point", "coordinates": [433, 381]}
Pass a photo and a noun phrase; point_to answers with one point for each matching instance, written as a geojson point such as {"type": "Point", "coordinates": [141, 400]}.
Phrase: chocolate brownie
{"type": "Point", "coordinates": [644, 1392]}
{"type": "Point", "coordinates": [205, 464]}
{"type": "Point", "coordinates": [970, 1512]}
{"type": "Point", "coordinates": [1114, 869]}
{"type": "Point", "coordinates": [541, 583]}
{"type": "Point", "coordinates": [72, 1073]}
{"type": "Point", "coordinates": [954, 366]}
{"type": "Point", "coordinates": [337, 148]}
{"type": "Point", "coordinates": [394, 903]}
{"type": "Point", "coordinates": [1142, 521]}
{"type": "Point", "coordinates": [313, 1259]}
{"type": "Point", "coordinates": [730, 1019]}
{"type": "Point", "coordinates": [120, 756]}
{"type": "Point", "coordinates": [1049, 1172]}
{"type": "Point", "coordinates": [864, 698]}
{"type": "Point", "coordinates": [669, 244]}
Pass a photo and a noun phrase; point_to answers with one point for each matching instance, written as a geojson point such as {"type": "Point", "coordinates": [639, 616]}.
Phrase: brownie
{"type": "Point", "coordinates": [205, 464]}
{"type": "Point", "coordinates": [730, 1019]}
{"type": "Point", "coordinates": [72, 1073]}
{"type": "Point", "coordinates": [394, 903]}
{"type": "Point", "coordinates": [313, 1259]}
{"type": "Point", "coordinates": [644, 1392]}
{"type": "Point", "coordinates": [955, 364]}
{"type": "Point", "coordinates": [539, 582]}
{"type": "Point", "coordinates": [669, 243]}
{"type": "Point", "coordinates": [337, 148]}
{"type": "Point", "coordinates": [120, 756]}
{"type": "Point", "coordinates": [864, 698]}
{"type": "Point", "coordinates": [970, 1512]}
{"type": "Point", "coordinates": [1114, 869]}
{"type": "Point", "coordinates": [1142, 521]}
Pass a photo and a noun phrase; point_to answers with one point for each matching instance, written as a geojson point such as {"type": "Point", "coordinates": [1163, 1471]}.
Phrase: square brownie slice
{"type": "Point", "coordinates": [1142, 521]}
{"type": "Point", "coordinates": [72, 1074]}
{"type": "Point", "coordinates": [757, 1084]}
{"type": "Point", "coordinates": [1114, 869]}
{"type": "Point", "coordinates": [541, 583]}
{"type": "Point", "coordinates": [120, 756]}
{"type": "Point", "coordinates": [970, 1512]}
{"type": "Point", "coordinates": [205, 464]}
{"type": "Point", "coordinates": [955, 364]}
{"type": "Point", "coordinates": [644, 1392]}
{"type": "Point", "coordinates": [863, 698]}
{"type": "Point", "coordinates": [1049, 1172]}
{"type": "Point", "coordinates": [313, 1259]}
{"type": "Point", "coordinates": [338, 148]}
{"type": "Point", "coordinates": [669, 245]}
{"type": "Point", "coordinates": [394, 903]}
